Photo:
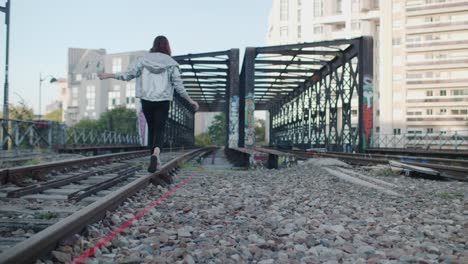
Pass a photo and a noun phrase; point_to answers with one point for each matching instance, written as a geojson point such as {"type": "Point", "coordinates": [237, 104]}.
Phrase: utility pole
{"type": "Point", "coordinates": [6, 10]}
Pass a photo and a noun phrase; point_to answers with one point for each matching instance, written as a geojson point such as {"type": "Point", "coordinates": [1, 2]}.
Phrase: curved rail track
{"type": "Point", "coordinates": [37, 216]}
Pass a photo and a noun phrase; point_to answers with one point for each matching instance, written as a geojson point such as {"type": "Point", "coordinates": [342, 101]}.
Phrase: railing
{"type": "Point", "coordinates": [47, 134]}
{"type": "Point", "coordinates": [457, 140]}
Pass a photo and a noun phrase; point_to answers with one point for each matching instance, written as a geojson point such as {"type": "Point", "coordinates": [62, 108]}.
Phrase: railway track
{"type": "Point", "coordinates": [35, 217]}
{"type": "Point", "coordinates": [454, 169]}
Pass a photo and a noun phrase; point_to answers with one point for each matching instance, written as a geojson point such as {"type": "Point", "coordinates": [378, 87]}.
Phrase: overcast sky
{"type": "Point", "coordinates": [42, 31]}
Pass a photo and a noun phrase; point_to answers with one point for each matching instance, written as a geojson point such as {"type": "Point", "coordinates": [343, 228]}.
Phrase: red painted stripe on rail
{"type": "Point", "coordinates": [90, 252]}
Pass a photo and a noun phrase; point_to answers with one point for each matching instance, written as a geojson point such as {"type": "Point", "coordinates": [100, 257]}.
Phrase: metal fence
{"type": "Point", "coordinates": [456, 140]}
{"type": "Point", "coordinates": [48, 134]}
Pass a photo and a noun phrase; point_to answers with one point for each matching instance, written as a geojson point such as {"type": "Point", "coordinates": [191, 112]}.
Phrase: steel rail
{"type": "Point", "coordinates": [29, 250]}
{"type": "Point", "coordinates": [457, 154]}
{"type": "Point", "coordinates": [17, 174]}
{"type": "Point", "coordinates": [458, 169]}
{"type": "Point", "coordinates": [40, 187]}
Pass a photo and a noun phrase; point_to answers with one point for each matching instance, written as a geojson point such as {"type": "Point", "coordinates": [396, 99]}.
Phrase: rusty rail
{"type": "Point", "coordinates": [29, 250]}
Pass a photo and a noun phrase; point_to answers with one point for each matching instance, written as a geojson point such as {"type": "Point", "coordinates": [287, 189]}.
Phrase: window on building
{"type": "Point", "coordinates": [284, 6]}
{"type": "Point", "coordinates": [299, 2]}
{"type": "Point", "coordinates": [397, 77]}
{"type": "Point", "coordinates": [318, 8]}
{"type": "Point", "coordinates": [429, 93]}
{"type": "Point", "coordinates": [299, 15]}
{"type": "Point", "coordinates": [377, 129]}
{"type": "Point", "coordinates": [443, 92]}
{"type": "Point", "coordinates": [454, 111]}
{"type": "Point", "coordinates": [114, 99]}
{"type": "Point", "coordinates": [355, 25]}
{"type": "Point", "coordinates": [430, 130]}
{"type": "Point", "coordinates": [354, 112]}
{"type": "Point", "coordinates": [90, 97]}
{"type": "Point", "coordinates": [397, 61]}
{"type": "Point", "coordinates": [396, 23]}
{"type": "Point", "coordinates": [463, 111]}
{"type": "Point", "coordinates": [78, 77]}
{"type": "Point", "coordinates": [459, 92]}
{"type": "Point", "coordinates": [130, 95]}
{"type": "Point", "coordinates": [397, 7]}
{"type": "Point", "coordinates": [318, 29]}
{"type": "Point", "coordinates": [283, 32]}
{"type": "Point", "coordinates": [299, 32]}
{"type": "Point", "coordinates": [428, 111]}
{"type": "Point", "coordinates": [443, 111]}
{"type": "Point", "coordinates": [397, 131]}
{"type": "Point", "coordinates": [375, 4]}
{"type": "Point", "coordinates": [396, 41]}
{"type": "Point", "coordinates": [339, 6]}
{"type": "Point", "coordinates": [74, 92]}
{"type": "Point", "coordinates": [116, 65]}
{"type": "Point", "coordinates": [355, 6]}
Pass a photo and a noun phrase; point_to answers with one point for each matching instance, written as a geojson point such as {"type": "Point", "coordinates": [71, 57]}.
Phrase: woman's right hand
{"type": "Point", "coordinates": [195, 105]}
{"type": "Point", "coordinates": [104, 75]}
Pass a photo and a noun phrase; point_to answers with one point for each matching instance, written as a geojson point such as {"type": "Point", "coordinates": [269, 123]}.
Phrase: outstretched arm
{"type": "Point", "coordinates": [133, 71]}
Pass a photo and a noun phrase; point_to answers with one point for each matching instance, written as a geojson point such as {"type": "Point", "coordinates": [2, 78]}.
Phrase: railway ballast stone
{"type": "Point", "coordinates": [301, 214]}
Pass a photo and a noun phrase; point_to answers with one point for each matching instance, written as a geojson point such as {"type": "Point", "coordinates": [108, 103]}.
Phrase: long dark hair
{"type": "Point", "coordinates": [161, 44]}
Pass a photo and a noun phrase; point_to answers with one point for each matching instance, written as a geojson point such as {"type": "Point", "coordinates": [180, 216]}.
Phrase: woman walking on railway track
{"type": "Point", "coordinates": [157, 76]}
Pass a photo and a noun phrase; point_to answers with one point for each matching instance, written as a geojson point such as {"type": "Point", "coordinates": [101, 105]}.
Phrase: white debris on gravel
{"type": "Point", "coordinates": [325, 162]}
{"type": "Point", "coordinates": [301, 214]}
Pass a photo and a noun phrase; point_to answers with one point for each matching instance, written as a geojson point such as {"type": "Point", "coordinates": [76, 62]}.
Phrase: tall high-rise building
{"type": "Point", "coordinates": [420, 54]}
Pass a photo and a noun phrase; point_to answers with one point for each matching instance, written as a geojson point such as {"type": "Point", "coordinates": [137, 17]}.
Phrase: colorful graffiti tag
{"type": "Point", "coordinates": [367, 110]}
{"type": "Point", "coordinates": [249, 120]}
{"type": "Point", "coordinates": [234, 122]}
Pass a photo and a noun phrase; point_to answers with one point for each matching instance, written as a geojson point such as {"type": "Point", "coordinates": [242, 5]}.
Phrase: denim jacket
{"type": "Point", "coordinates": [157, 75]}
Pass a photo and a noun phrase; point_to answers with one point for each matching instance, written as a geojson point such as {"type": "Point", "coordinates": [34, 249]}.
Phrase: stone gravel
{"type": "Point", "coordinates": [302, 214]}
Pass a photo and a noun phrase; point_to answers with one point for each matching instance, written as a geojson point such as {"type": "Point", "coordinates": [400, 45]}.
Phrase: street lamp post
{"type": "Point", "coordinates": [52, 80]}
{"type": "Point", "coordinates": [6, 10]}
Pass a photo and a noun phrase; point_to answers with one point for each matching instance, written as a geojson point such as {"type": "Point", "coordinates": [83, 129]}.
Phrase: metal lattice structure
{"type": "Point", "coordinates": [208, 76]}
{"type": "Point", "coordinates": [48, 134]}
{"type": "Point", "coordinates": [318, 94]}
{"type": "Point", "coordinates": [180, 124]}
{"type": "Point", "coordinates": [210, 79]}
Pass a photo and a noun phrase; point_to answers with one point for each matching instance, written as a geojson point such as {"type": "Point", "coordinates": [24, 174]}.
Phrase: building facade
{"type": "Point", "coordinates": [88, 96]}
{"type": "Point", "coordinates": [420, 54]}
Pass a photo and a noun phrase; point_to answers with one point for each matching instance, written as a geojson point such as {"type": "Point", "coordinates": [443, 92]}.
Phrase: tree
{"type": "Point", "coordinates": [20, 112]}
{"type": "Point", "coordinates": [203, 140]}
{"type": "Point", "coordinates": [260, 130]}
{"type": "Point", "coordinates": [88, 124]}
{"type": "Point", "coordinates": [54, 115]}
{"type": "Point", "coordinates": [217, 129]}
{"type": "Point", "coordinates": [119, 119]}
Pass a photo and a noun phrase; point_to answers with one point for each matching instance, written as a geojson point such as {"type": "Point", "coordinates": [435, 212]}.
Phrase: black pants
{"type": "Point", "coordinates": [156, 114]}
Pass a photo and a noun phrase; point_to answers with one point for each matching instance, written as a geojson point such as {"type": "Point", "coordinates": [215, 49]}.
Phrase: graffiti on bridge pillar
{"type": "Point", "coordinates": [234, 122]}
{"type": "Point", "coordinates": [249, 120]}
{"type": "Point", "coordinates": [368, 110]}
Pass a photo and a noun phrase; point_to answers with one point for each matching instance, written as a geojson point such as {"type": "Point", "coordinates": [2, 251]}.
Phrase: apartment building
{"type": "Point", "coordinates": [420, 54]}
{"type": "Point", "coordinates": [89, 97]}
{"type": "Point", "coordinates": [434, 72]}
